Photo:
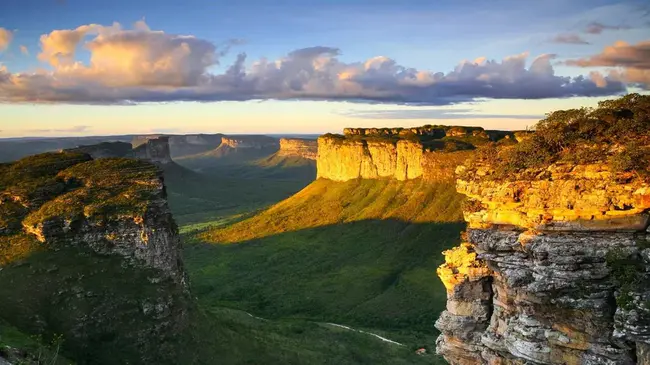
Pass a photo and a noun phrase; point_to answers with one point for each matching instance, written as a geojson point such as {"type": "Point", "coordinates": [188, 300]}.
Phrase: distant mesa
{"type": "Point", "coordinates": [257, 142]}
{"type": "Point", "coordinates": [299, 147]}
{"type": "Point", "coordinates": [154, 150]}
{"type": "Point", "coordinates": [183, 145]}
{"type": "Point", "coordinates": [428, 152]}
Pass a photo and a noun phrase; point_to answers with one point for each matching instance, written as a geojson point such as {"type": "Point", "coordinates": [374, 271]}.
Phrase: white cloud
{"type": "Point", "coordinates": [142, 65]}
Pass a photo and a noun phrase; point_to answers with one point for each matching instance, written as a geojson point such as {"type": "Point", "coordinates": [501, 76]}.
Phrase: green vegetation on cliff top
{"type": "Point", "coordinates": [616, 133]}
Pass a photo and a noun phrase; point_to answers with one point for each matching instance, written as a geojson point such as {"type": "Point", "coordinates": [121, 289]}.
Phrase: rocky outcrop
{"type": "Point", "coordinates": [553, 269]}
{"type": "Point", "coordinates": [297, 147]}
{"type": "Point", "coordinates": [95, 257]}
{"type": "Point", "coordinates": [343, 159]}
{"type": "Point", "coordinates": [154, 150]}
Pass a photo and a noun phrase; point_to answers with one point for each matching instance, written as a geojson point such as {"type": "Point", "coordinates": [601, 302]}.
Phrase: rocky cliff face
{"type": "Point", "coordinates": [343, 159]}
{"type": "Point", "coordinates": [295, 147]}
{"type": "Point", "coordinates": [554, 270]}
{"type": "Point", "coordinates": [89, 250]}
{"type": "Point", "coordinates": [155, 150]}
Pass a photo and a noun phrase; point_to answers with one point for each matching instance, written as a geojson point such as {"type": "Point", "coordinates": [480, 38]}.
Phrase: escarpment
{"type": "Point", "coordinates": [89, 251]}
{"type": "Point", "coordinates": [429, 152]}
{"type": "Point", "coordinates": [155, 150]}
{"type": "Point", "coordinates": [297, 147]}
{"type": "Point", "coordinates": [184, 145]}
{"type": "Point", "coordinates": [555, 263]}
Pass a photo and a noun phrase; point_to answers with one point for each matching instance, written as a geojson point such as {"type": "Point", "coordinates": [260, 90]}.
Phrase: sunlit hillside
{"type": "Point", "coordinates": [358, 253]}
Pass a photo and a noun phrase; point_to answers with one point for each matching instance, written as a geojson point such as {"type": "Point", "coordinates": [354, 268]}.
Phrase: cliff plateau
{"type": "Point", "coordinates": [555, 263]}
{"type": "Point", "coordinates": [431, 153]}
{"type": "Point", "coordinates": [89, 251]}
{"type": "Point", "coordinates": [296, 147]}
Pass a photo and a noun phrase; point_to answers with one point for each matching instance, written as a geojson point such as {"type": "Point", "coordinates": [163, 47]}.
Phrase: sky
{"type": "Point", "coordinates": [72, 68]}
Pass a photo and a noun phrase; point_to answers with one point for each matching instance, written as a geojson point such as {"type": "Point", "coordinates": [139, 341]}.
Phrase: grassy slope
{"type": "Point", "coordinates": [198, 199]}
{"type": "Point", "coordinates": [360, 253]}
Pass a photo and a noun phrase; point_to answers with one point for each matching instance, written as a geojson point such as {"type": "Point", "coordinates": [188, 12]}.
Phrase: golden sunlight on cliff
{"type": "Point", "coordinates": [460, 265]}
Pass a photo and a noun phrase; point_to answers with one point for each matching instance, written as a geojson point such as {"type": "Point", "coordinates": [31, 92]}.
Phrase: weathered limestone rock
{"type": "Point", "coordinates": [296, 147]}
{"type": "Point", "coordinates": [568, 262]}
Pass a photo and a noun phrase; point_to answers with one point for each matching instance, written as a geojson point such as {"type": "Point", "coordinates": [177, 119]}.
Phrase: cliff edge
{"type": "Point", "coordinates": [429, 152]}
{"type": "Point", "coordinates": [298, 147]}
{"type": "Point", "coordinates": [555, 263]}
{"type": "Point", "coordinates": [89, 251]}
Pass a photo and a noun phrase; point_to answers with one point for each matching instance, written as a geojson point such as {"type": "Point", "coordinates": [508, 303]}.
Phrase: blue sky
{"type": "Point", "coordinates": [414, 37]}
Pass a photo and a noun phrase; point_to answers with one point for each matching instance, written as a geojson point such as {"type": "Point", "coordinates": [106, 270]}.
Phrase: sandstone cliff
{"type": "Point", "coordinates": [89, 250]}
{"type": "Point", "coordinates": [297, 147]}
{"type": "Point", "coordinates": [554, 270]}
{"type": "Point", "coordinates": [343, 158]}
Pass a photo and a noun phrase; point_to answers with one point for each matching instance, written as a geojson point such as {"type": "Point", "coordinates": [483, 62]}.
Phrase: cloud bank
{"type": "Point", "coordinates": [630, 62]}
{"type": "Point", "coordinates": [141, 65]}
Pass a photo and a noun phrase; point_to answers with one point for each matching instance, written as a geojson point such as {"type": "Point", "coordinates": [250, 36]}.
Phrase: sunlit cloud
{"type": "Point", "coordinates": [5, 38]}
{"type": "Point", "coordinates": [630, 62]}
{"type": "Point", "coordinates": [24, 50]}
{"type": "Point", "coordinates": [137, 65]}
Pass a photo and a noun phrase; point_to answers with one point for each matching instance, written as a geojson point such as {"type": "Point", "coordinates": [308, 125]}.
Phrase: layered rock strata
{"type": "Point", "coordinates": [342, 159]}
{"type": "Point", "coordinates": [296, 147]}
{"type": "Point", "coordinates": [554, 270]}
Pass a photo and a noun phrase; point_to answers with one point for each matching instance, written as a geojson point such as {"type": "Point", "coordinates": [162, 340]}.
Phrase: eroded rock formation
{"type": "Point", "coordinates": [297, 147]}
{"type": "Point", "coordinates": [342, 159]}
{"type": "Point", "coordinates": [555, 269]}
{"type": "Point", "coordinates": [89, 251]}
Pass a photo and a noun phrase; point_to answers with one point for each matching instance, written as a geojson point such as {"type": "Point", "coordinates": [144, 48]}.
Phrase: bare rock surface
{"type": "Point", "coordinates": [553, 270]}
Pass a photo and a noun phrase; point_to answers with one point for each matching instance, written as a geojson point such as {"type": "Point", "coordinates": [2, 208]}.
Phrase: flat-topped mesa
{"type": "Point", "coordinates": [430, 152]}
{"type": "Point", "coordinates": [183, 145]}
{"type": "Point", "coordinates": [154, 150]}
{"type": "Point", "coordinates": [298, 147]}
{"type": "Point", "coordinates": [253, 142]}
